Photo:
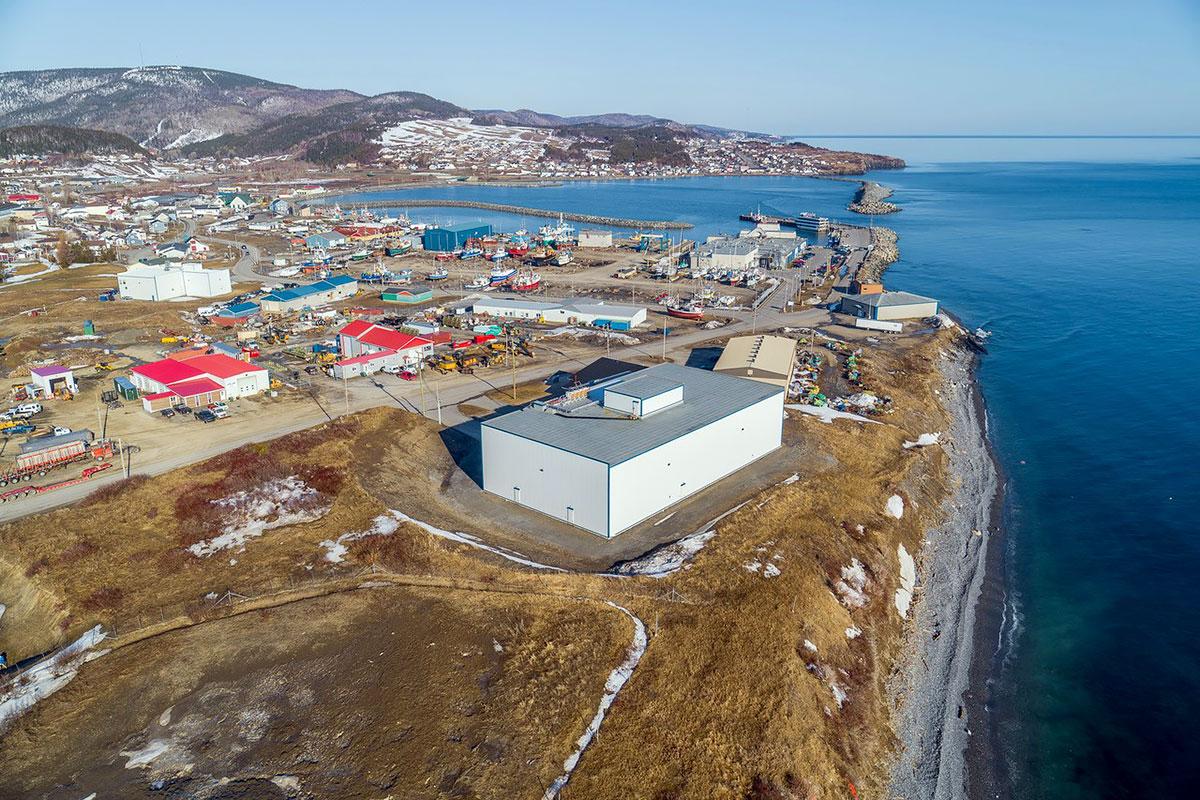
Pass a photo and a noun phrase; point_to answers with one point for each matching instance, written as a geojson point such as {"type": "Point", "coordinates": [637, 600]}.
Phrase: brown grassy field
{"type": "Point", "coordinates": [736, 696]}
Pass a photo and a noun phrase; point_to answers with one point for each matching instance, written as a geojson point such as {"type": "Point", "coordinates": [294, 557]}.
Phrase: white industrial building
{"type": "Point", "coordinates": [888, 306]}
{"type": "Point", "coordinates": [577, 312]}
{"type": "Point", "coordinates": [726, 253]}
{"type": "Point", "coordinates": [170, 281]}
{"type": "Point", "coordinates": [595, 238]}
{"type": "Point", "coordinates": [607, 456]}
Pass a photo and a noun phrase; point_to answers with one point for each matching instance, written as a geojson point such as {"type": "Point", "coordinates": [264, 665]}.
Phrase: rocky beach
{"type": "Point", "coordinates": [932, 713]}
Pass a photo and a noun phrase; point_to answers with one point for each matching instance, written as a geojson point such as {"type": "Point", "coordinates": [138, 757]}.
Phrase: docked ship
{"type": "Point", "coordinates": [479, 282]}
{"type": "Point", "coordinates": [562, 258]}
{"type": "Point", "coordinates": [439, 274]}
{"type": "Point", "coordinates": [470, 252]}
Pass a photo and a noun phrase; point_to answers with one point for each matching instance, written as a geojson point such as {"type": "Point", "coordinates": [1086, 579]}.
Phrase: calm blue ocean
{"type": "Point", "coordinates": [1082, 257]}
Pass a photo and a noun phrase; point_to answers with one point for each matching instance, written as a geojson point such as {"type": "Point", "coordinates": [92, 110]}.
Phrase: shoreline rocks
{"type": "Point", "coordinates": [871, 198]}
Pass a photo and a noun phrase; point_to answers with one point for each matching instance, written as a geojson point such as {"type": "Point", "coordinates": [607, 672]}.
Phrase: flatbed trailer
{"type": "Point", "coordinates": [28, 491]}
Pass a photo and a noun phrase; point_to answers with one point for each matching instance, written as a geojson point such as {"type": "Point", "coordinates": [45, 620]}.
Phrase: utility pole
{"type": "Point", "coordinates": [437, 398]}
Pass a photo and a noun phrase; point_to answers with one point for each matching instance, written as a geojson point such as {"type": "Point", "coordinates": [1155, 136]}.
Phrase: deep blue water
{"type": "Point", "coordinates": [1087, 272]}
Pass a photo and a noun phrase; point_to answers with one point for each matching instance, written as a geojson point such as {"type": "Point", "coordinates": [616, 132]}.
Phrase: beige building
{"type": "Point", "coordinates": [769, 359]}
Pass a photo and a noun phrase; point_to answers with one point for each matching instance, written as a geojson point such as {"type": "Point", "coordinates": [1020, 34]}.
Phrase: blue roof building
{"type": "Point", "coordinates": [452, 237]}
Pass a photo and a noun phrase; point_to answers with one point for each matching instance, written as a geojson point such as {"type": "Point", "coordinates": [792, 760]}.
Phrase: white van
{"type": "Point", "coordinates": [28, 409]}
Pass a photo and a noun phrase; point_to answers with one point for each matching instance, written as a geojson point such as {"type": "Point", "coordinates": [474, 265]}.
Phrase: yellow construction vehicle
{"type": "Point", "coordinates": [169, 339]}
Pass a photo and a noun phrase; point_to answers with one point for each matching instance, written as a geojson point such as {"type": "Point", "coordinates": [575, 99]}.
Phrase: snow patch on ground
{"type": "Point", "coordinates": [840, 695]}
{"type": "Point", "coordinates": [828, 415]}
{"type": "Point", "coordinates": [851, 589]}
{"type": "Point", "coordinates": [853, 632]}
{"type": "Point", "coordinates": [145, 757]}
{"type": "Point", "coordinates": [336, 549]}
{"type": "Point", "coordinates": [895, 506]}
{"type": "Point", "coordinates": [668, 559]}
{"type": "Point", "coordinates": [924, 440]}
{"type": "Point", "coordinates": [616, 680]}
{"type": "Point", "coordinates": [472, 541]}
{"type": "Point", "coordinates": [275, 504]}
{"type": "Point", "coordinates": [578, 333]}
{"type": "Point", "coordinates": [908, 581]}
{"type": "Point", "coordinates": [45, 678]}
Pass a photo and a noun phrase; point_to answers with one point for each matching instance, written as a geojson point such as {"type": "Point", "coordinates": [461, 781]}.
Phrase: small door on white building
{"type": "Point", "coordinates": [516, 494]}
{"type": "Point", "coordinates": [570, 515]}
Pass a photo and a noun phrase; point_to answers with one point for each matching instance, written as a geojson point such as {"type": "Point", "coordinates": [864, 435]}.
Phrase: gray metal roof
{"type": "Point", "coordinates": [594, 433]}
{"type": "Point", "coordinates": [890, 299]}
{"type": "Point", "coordinates": [646, 385]}
{"type": "Point", "coordinates": [485, 303]}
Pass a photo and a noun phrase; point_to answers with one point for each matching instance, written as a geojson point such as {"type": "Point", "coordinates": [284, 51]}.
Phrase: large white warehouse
{"type": "Point", "coordinates": [581, 312]}
{"type": "Point", "coordinates": [167, 282]}
{"type": "Point", "coordinates": [607, 456]}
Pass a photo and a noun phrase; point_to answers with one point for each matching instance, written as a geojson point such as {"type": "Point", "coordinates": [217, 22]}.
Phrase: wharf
{"type": "Point", "coordinates": [591, 219]}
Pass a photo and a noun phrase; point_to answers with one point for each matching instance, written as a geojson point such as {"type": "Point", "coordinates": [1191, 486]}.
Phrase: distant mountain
{"type": "Point", "coordinates": [537, 119]}
{"type": "Point", "coordinates": [205, 112]}
{"type": "Point", "coordinates": [160, 107]}
{"type": "Point", "coordinates": [40, 140]}
{"type": "Point", "coordinates": [340, 132]}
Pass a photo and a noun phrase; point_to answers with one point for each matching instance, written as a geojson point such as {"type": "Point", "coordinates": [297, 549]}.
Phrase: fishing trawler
{"type": "Point", "coordinates": [685, 309]}
{"type": "Point", "coordinates": [525, 282]}
{"type": "Point", "coordinates": [500, 274]}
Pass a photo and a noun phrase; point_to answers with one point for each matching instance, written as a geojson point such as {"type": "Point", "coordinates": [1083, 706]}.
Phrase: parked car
{"type": "Point", "coordinates": [206, 416]}
{"type": "Point", "coordinates": [182, 409]}
{"type": "Point", "coordinates": [167, 412]}
{"type": "Point", "coordinates": [59, 430]}
{"type": "Point", "coordinates": [220, 413]}
{"type": "Point", "coordinates": [391, 369]}
{"type": "Point", "coordinates": [408, 375]}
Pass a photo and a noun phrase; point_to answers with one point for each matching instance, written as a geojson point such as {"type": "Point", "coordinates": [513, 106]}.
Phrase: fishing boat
{"type": "Point", "coordinates": [525, 282]}
{"type": "Point", "coordinates": [470, 252]}
{"type": "Point", "coordinates": [518, 249]}
{"type": "Point", "coordinates": [500, 274]}
{"type": "Point", "coordinates": [397, 250]}
{"type": "Point", "coordinates": [688, 309]}
{"type": "Point", "coordinates": [479, 282]}
{"type": "Point", "coordinates": [403, 276]}
{"type": "Point", "coordinates": [554, 234]}
{"type": "Point", "coordinates": [360, 255]}
{"type": "Point", "coordinates": [498, 256]}
{"type": "Point", "coordinates": [439, 274]}
{"type": "Point", "coordinates": [562, 259]}
{"type": "Point", "coordinates": [444, 257]}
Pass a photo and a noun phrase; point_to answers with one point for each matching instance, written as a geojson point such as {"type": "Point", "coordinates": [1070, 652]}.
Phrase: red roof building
{"type": "Point", "coordinates": [198, 379]}
{"type": "Point", "coordinates": [366, 347]}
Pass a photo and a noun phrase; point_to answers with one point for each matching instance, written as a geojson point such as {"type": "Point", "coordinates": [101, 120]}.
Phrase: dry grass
{"type": "Point", "coordinates": [526, 392]}
{"type": "Point", "coordinates": [728, 702]}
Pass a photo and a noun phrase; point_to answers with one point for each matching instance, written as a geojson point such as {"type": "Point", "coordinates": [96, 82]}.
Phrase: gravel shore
{"type": "Point", "coordinates": [933, 718]}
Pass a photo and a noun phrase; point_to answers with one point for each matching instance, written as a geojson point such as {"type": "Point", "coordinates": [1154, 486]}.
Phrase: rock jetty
{"type": "Point", "coordinates": [871, 198]}
{"type": "Point", "coordinates": [590, 219]}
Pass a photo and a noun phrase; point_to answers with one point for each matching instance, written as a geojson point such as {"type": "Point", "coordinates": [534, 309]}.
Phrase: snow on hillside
{"type": "Point", "coordinates": [460, 141]}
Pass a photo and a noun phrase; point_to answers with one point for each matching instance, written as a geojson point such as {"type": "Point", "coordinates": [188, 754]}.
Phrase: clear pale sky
{"type": "Point", "coordinates": [799, 67]}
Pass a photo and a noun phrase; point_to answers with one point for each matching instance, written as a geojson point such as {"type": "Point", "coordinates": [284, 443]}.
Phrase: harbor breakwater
{"type": "Point", "coordinates": [590, 219]}
{"type": "Point", "coordinates": [871, 198]}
